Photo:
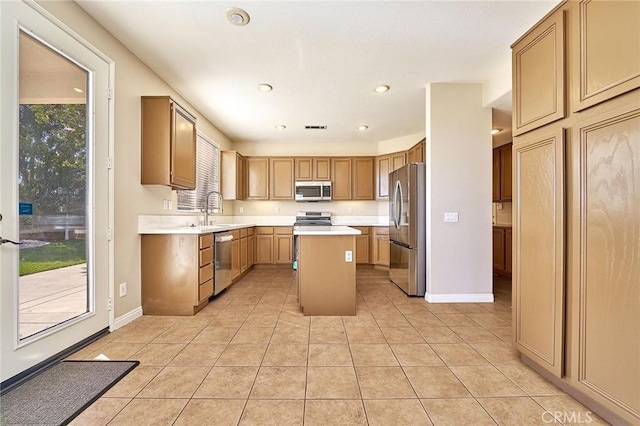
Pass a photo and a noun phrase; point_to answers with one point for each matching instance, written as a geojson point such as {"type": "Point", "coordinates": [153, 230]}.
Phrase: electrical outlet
{"type": "Point", "coordinates": [451, 217]}
{"type": "Point", "coordinates": [170, 204]}
{"type": "Point", "coordinates": [348, 256]}
{"type": "Point", "coordinates": [241, 209]}
{"type": "Point", "coordinates": [277, 209]}
{"type": "Point", "coordinates": [165, 204]}
{"type": "Point", "coordinates": [123, 289]}
{"type": "Point", "coordinates": [350, 210]}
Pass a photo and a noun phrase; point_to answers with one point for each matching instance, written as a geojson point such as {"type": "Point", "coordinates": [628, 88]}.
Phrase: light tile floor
{"type": "Point", "coordinates": [251, 358]}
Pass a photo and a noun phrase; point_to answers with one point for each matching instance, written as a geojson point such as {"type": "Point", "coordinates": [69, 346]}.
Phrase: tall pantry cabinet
{"type": "Point", "coordinates": [576, 158]}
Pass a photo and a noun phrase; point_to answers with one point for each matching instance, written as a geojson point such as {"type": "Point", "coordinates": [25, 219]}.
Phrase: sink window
{"type": "Point", "coordinates": [207, 177]}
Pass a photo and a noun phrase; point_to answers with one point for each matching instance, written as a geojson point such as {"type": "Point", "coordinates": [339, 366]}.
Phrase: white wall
{"type": "Point", "coordinates": [459, 155]}
{"type": "Point", "coordinates": [133, 79]}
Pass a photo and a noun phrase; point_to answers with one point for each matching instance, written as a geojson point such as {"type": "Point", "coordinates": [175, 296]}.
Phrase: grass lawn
{"type": "Point", "coordinates": [52, 256]}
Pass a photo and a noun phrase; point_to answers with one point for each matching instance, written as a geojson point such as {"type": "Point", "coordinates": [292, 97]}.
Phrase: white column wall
{"type": "Point", "coordinates": [459, 173]}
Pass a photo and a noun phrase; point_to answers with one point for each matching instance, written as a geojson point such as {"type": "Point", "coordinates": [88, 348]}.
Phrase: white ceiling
{"type": "Point", "coordinates": [322, 58]}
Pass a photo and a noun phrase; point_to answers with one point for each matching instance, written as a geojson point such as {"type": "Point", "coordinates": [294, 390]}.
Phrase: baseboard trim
{"type": "Point", "coordinates": [459, 298]}
{"type": "Point", "coordinates": [125, 319]}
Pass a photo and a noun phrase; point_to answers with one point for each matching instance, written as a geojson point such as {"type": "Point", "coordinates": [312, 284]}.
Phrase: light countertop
{"type": "Point", "coordinates": [195, 229]}
{"type": "Point", "coordinates": [325, 230]}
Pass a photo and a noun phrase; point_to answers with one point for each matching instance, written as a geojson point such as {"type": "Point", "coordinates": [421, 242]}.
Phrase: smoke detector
{"type": "Point", "coordinates": [238, 16]}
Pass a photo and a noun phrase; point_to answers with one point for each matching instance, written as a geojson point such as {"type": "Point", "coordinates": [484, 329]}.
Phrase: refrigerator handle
{"type": "Point", "coordinates": [397, 218]}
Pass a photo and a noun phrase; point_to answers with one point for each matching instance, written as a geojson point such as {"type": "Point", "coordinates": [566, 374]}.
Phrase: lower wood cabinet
{"type": "Point", "coordinates": [274, 245]}
{"type": "Point", "coordinates": [362, 245]}
{"type": "Point", "coordinates": [235, 259]}
{"type": "Point", "coordinates": [177, 273]}
{"type": "Point", "coordinates": [502, 254]}
{"type": "Point", "coordinates": [380, 246]}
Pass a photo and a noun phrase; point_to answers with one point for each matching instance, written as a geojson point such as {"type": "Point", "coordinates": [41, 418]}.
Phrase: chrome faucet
{"type": "Point", "coordinates": [206, 206]}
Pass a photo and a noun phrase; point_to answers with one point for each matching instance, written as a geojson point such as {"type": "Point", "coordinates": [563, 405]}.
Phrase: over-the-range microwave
{"type": "Point", "coordinates": [313, 191]}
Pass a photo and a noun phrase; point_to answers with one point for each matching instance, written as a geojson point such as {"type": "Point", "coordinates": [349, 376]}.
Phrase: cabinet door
{"type": "Point", "coordinates": [508, 251]}
{"type": "Point", "coordinates": [397, 160]}
{"type": "Point", "coordinates": [539, 248]}
{"type": "Point", "coordinates": [382, 250]}
{"type": "Point", "coordinates": [257, 178]}
{"type": "Point", "coordinates": [321, 169]}
{"type": "Point", "coordinates": [235, 259]}
{"type": "Point", "coordinates": [498, 250]}
{"type": "Point", "coordinates": [383, 167]}
{"type": "Point", "coordinates": [606, 284]}
{"type": "Point", "coordinates": [496, 174]}
{"type": "Point", "coordinates": [244, 254]}
{"type": "Point", "coordinates": [264, 249]}
{"type": "Point", "coordinates": [416, 153]}
{"type": "Point", "coordinates": [251, 251]}
{"type": "Point", "coordinates": [538, 75]}
{"type": "Point", "coordinates": [281, 177]}
{"type": "Point", "coordinates": [183, 149]}
{"type": "Point", "coordinates": [283, 248]}
{"type": "Point", "coordinates": [232, 175]}
{"type": "Point", "coordinates": [362, 175]}
{"type": "Point", "coordinates": [362, 249]}
{"type": "Point", "coordinates": [506, 185]}
{"type": "Point", "coordinates": [341, 178]}
{"type": "Point", "coordinates": [304, 169]}
{"type": "Point", "coordinates": [606, 51]}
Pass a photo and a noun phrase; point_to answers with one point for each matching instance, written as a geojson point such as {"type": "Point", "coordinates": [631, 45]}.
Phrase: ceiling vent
{"type": "Point", "coordinates": [316, 127]}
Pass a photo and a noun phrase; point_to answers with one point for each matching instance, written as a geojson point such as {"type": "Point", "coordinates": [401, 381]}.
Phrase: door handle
{"type": "Point", "coordinates": [4, 241]}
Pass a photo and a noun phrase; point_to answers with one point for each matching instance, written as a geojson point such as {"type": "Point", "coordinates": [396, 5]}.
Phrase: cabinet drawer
{"type": "Point", "coordinates": [206, 240]}
{"type": "Point", "coordinates": [283, 230]}
{"type": "Point", "coordinates": [243, 232]}
{"type": "Point", "coordinates": [206, 273]}
{"type": "Point", "coordinates": [205, 290]}
{"type": "Point", "coordinates": [250, 231]}
{"type": "Point", "coordinates": [264, 230]}
{"type": "Point", "coordinates": [206, 256]}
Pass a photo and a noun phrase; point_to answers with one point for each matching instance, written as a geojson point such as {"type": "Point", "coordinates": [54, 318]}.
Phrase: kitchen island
{"type": "Point", "coordinates": [326, 267]}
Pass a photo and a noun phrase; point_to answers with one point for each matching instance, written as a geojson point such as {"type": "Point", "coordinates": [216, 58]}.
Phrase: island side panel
{"type": "Point", "coordinates": [327, 283]}
{"type": "Point", "coordinates": [169, 274]}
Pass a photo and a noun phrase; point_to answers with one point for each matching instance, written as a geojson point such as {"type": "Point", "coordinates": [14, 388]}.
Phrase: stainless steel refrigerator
{"type": "Point", "coordinates": [407, 228]}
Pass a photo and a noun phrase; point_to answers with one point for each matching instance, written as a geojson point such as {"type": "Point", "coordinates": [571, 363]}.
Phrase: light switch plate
{"type": "Point", "coordinates": [451, 217]}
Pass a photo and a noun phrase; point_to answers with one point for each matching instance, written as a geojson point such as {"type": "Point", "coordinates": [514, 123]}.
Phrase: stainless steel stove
{"type": "Point", "coordinates": [313, 219]}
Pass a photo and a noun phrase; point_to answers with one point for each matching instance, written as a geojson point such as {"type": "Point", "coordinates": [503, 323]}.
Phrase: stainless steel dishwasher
{"type": "Point", "coordinates": [223, 274]}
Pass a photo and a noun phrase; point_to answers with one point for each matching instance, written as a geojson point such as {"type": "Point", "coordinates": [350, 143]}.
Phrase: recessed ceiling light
{"type": "Point", "coordinates": [362, 127]}
{"type": "Point", "coordinates": [381, 89]}
{"type": "Point", "coordinates": [78, 90]}
{"type": "Point", "coordinates": [281, 127]}
{"type": "Point", "coordinates": [237, 16]}
{"type": "Point", "coordinates": [265, 87]}
{"type": "Point", "coordinates": [495, 131]}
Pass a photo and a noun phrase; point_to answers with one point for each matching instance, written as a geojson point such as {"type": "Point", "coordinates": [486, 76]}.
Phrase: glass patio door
{"type": "Point", "coordinates": [54, 199]}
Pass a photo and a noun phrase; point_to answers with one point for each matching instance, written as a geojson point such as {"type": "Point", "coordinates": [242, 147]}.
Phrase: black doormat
{"type": "Point", "coordinates": [57, 395]}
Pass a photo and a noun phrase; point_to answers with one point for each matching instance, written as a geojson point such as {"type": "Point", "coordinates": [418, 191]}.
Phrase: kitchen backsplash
{"type": "Point", "coordinates": [290, 208]}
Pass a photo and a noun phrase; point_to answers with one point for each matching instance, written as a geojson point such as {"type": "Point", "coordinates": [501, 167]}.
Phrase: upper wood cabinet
{"type": "Point", "coordinates": [257, 178]}
{"type": "Point", "coordinates": [281, 179]}
{"type": "Point", "coordinates": [385, 164]}
{"type": "Point", "coordinates": [168, 144]}
{"type": "Point", "coordinates": [341, 178]}
{"type": "Point", "coordinates": [605, 50]}
{"type": "Point", "coordinates": [314, 169]}
{"type": "Point", "coordinates": [502, 171]}
{"type": "Point", "coordinates": [538, 75]}
{"type": "Point", "coordinates": [362, 178]}
{"type": "Point", "coordinates": [416, 153]}
{"type": "Point", "coordinates": [232, 178]}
